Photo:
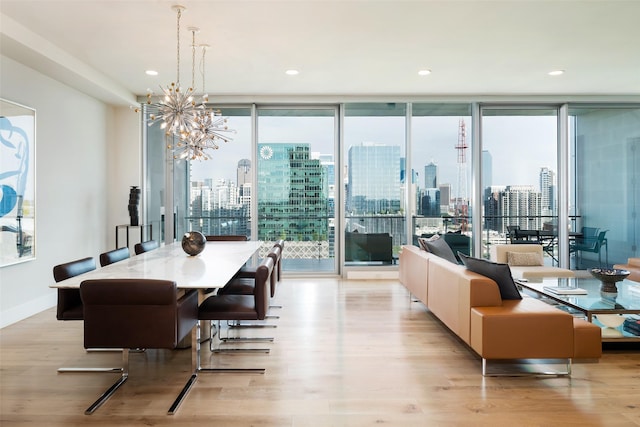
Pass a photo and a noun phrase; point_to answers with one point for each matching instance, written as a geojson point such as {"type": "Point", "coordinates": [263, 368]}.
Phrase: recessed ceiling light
{"type": "Point", "coordinates": [151, 73]}
{"type": "Point", "coordinates": [424, 72]}
{"type": "Point", "coordinates": [556, 72]}
{"type": "Point", "coordinates": [292, 72]}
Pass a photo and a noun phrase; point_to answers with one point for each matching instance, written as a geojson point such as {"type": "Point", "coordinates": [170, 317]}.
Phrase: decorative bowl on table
{"type": "Point", "coordinates": [193, 242]}
{"type": "Point", "coordinates": [609, 277]}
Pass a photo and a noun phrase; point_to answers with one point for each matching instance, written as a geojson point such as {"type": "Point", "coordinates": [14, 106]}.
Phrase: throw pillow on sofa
{"type": "Point", "coordinates": [500, 273]}
{"type": "Point", "coordinates": [440, 248]}
{"type": "Point", "coordinates": [524, 259]}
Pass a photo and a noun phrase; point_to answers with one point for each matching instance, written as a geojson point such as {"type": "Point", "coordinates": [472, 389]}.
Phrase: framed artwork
{"type": "Point", "coordinates": [17, 183]}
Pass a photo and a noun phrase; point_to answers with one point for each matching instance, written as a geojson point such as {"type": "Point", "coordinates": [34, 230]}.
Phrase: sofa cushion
{"type": "Point", "coordinates": [524, 259]}
{"type": "Point", "coordinates": [500, 273]}
{"type": "Point", "coordinates": [422, 244]}
{"type": "Point", "coordinates": [439, 247]}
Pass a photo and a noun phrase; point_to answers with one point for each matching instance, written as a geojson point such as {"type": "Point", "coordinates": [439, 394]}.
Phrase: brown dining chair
{"type": "Point", "coordinates": [134, 313]}
{"type": "Point", "coordinates": [69, 302]}
{"type": "Point", "coordinates": [147, 246]}
{"type": "Point", "coordinates": [226, 238]}
{"type": "Point", "coordinates": [252, 287]}
{"type": "Point", "coordinates": [113, 256]}
{"type": "Point", "coordinates": [70, 305]}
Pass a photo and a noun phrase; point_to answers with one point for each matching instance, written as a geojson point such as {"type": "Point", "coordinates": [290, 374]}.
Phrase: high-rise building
{"type": "Point", "coordinates": [243, 172]}
{"type": "Point", "coordinates": [493, 207]}
{"type": "Point", "coordinates": [431, 175]}
{"type": "Point", "coordinates": [430, 202]}
{"type": "Point", "coordinates": [445, 197]}
{"type": "Point", "coordinates": [377, 193]}
{"type": "Point", "coordinates": [547, 191]}
{"type": "Point", "coordinates": [292, 200]}
{"type": "Point", "coordinates": [521, 206]}
{"type": "Point", "coordinates": [487, 169]}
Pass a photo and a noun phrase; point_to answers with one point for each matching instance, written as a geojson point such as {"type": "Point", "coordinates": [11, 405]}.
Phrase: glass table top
{"type": "Point", "coordinates": [607, 310]}
{"type": "Point", "coordinates": [627, 300]}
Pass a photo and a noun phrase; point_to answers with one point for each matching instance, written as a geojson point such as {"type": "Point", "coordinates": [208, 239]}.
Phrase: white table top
{"type": "Point", "coordinates": [212, 268]}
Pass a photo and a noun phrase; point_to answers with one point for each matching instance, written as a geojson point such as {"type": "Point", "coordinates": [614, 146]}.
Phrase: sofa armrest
{"type": "Point", "coordinates": [522, 329]}
{"type": "Point", "coordinates": [453, 290]}
{"type": "Point", "coordinates": [413, 267]}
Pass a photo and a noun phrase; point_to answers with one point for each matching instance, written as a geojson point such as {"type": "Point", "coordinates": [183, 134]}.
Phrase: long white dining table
{"type": "Point", "coordinates": [212, 268]}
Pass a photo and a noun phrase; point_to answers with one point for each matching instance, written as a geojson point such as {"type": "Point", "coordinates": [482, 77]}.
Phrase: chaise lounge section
{"type": "Point", "coordinates": [526, 261]}
{"type": "Point", "coordinates": [471, 306]}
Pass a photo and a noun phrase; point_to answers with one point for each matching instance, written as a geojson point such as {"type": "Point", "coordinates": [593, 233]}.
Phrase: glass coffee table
{"type": "Point", "coordinates": [607, 310]}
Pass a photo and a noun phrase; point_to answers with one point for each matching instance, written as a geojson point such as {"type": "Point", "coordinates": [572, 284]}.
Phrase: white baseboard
{"type": "Point", "coordinates": [373, 275]}
{"type": "Point", "coordinates": [28, 309]}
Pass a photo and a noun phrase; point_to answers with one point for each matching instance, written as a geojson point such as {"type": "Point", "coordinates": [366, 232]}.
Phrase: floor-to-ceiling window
{"type": "Point", "coordinates": [374, 155]}
{"type": "Point", "coordinates": [519, 176]}
{"type": "Point", "coordinates": [296, 190]}
{"type": "Point", "coordinates": [440, 173]}
{"type": "Point", "coordinates": [605, 181]}
{"type": "Point", "coordinates": [219, 191]}
{"type": "Point", "coordinates": [244, 190]}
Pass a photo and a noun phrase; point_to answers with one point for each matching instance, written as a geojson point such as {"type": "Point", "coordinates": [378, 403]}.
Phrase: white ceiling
{"type": "Point", "coordinates": [341, 48]}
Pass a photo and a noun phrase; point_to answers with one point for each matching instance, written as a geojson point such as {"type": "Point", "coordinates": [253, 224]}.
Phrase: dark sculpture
{"type": "Point", "coordinates": [193, 242]}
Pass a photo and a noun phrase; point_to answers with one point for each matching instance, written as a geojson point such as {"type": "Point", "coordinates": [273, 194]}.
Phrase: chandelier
{"type": "Point", "coordinates": [191, 128]}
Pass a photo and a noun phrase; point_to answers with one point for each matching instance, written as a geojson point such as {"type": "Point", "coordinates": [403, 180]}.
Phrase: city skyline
{"type": "Point", "coordinates": [531, 137]}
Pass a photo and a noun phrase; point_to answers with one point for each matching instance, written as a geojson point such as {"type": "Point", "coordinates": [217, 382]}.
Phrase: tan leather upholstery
{"type": "Point", "coordinates": [470, 305]}
{"type": "Point", "coordinates": [633, 265]}
{"type": "Point", "coordinates": [413, 271]}
{"type": "Point", "coordinates": [498, 253]}
{"type": "Point", "coordinates": [587, 339]}
{"type": "Point", "coordinates": [519, 329]}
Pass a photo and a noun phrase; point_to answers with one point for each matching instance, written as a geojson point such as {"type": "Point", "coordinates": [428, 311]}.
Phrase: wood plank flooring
{"type": "Point", "coordinates": [346, 353]}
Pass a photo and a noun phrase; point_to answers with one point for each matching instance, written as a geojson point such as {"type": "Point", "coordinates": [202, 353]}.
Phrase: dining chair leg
{"type": "Point", "coordinates": [231, 350]}
{"type": "Point", "coordinates": [107, 394]}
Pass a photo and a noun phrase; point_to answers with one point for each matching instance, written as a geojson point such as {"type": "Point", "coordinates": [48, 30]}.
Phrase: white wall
{"type": "Point", "coordinates": [82, 180]}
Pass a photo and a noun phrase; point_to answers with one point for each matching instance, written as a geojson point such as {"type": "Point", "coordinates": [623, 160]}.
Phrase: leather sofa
{"type": "Point", "coordinates": [500, 253]}
{"type": "Point", "coordinates": [633, 266]}
{"type": "Point", "coordinates": [470, 305]}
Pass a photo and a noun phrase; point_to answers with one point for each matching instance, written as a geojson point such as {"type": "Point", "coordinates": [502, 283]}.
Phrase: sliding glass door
{"type": "Point", "coordinates": [297, 177]}
{"type": "Point", "coordinates": [519, 177]}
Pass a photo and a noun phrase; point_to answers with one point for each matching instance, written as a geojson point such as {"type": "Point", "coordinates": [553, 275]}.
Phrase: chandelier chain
{"type": "Point", "coordinates": [178, 48]}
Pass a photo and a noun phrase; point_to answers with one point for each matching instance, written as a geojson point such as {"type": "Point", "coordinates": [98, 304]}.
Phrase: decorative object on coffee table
{"type": "Point", "coordinates": [609, 277]}
{"type": "Point", "coordinates": [134, 200]}
{"type": "Point", "coordinates": [193, 242]}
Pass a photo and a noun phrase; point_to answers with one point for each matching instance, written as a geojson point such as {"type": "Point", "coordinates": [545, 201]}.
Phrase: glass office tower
{"type": "Point", "coordinates": [292, 200]}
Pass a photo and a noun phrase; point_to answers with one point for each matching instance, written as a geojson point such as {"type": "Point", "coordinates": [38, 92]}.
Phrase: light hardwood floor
{"type": "Point", "coordinates": [347, 353]}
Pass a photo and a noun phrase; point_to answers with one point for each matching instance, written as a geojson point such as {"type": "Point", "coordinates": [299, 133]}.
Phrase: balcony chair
{"type": "Point", "coordinates": [147, 246]}
{"type": "Point", "coordinates": [113, 256]}
{"type": "Point", "coordinates": [514, 237]}
{"type": "Point", "coordinates": [134, 313]}
{"type": "Point", "coordinates": [593, 245]}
